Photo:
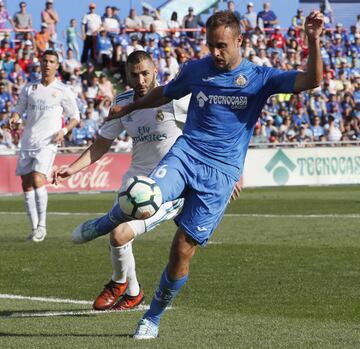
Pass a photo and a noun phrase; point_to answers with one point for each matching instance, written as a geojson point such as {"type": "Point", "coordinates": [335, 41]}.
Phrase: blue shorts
{"type": "Point", "coordinates": [205, 189]}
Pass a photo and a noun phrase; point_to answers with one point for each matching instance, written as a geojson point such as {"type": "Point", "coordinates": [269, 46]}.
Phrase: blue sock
{"type": "Point", "coordinates": [165, 293]}
{"type": "Point", "coordinates": [110, 221]}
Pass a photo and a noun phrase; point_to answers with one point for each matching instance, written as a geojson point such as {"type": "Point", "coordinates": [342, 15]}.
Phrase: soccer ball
{"type": "Point", "coordinates": [140, 197]}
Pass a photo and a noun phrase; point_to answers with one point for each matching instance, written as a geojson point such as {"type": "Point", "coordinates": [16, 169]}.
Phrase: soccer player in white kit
{"type": "Point", "coordinates": [44, 102]}
{"type": "Point", "coordinates": [153, 132]}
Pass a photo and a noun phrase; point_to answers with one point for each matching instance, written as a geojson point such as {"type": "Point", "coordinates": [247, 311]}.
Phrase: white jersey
{"type": "Point", "coordinates": [44, 107]}
{"type": "Point", "coordinates": [153, 131]}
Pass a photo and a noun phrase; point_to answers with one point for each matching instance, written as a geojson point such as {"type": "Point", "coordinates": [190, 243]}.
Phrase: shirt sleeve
{"type": "Point", "coordinates": [22, 101]}
{"type": "Point", "coordinates": [179, 86]}
{"type": "Point", "coordinates": [280, 81]}
{"type": "Point", "coordinates": [111, 129]}
{"type": "Point", "coordinates": [181, 107]}
{"type": "Point", "coordinates": [69, 105]}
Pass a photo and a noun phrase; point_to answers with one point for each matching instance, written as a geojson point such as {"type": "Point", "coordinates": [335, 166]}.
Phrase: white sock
{"type": "Point", "coordinates": [133, 286]}
{"type": "Point", "coordinates": [123, 263]}
{"type": "Point", "coordinates": [41, 196]}
{"type": "Point", "coordinates": [30, 205]}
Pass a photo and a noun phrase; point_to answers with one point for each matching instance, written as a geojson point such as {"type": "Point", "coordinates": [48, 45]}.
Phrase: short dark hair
{"type": "Point", "coordinates": [137, 57]}
{"type": "Point", "coordinates": [225, 19]}
{"type": "Point", "coordinates": [51, 53]}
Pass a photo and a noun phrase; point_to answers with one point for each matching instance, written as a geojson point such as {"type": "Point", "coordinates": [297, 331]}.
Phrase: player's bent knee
{"type": "Point", "coordinates": [183, 248]}
{"type": "Point", "coordinates": [121, 235]}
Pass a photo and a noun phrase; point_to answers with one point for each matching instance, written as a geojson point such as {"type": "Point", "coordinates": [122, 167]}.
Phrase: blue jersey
{"type": "Point", "coordinates": [224, 108]}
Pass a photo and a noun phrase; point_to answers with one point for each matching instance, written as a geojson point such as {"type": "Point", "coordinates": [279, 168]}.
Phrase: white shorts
{"type": "Point", "coordinates": [167, 211]}
{"type": "Point", "coordinates": [40, 160]}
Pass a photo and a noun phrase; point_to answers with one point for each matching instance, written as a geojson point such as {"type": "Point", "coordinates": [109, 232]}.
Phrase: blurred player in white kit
{"type": "Point", "coordinates": [44, 102]}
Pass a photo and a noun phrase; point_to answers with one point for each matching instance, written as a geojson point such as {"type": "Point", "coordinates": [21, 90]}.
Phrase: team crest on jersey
{"type": "Point", "coordinates": [34, 87]}
{"type": "Point", "coordinates": [241, 80]}
{"type": "Point", "coordinates": [160, 116]}
{"type": "Point", "coordinates": [54, 95]}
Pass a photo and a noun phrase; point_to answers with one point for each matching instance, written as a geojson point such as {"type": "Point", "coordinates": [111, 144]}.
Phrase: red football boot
{"type": "Point", "coordinates": [110, 295]}
{"type": "Point", "coordinates": [129, 302]}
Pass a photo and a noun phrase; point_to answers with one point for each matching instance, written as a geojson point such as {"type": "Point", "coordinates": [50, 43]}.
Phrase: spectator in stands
{"type": "Point", "coordinates": [104, 108]}
{"type": "Point", "coordinates": [35, 73]}
{"type": "Point", "coordinates": [42, 38]}
{"type": "Point", "coordinates": [250, 17]}
{"type": "Point", "coordinates": [327, 13]}
{"type": "Point", "coordinates": [8, 64]}
{"type": "Point", "coordinates": [4, 96]}
{"type": "Point", "coordinates": [22, 21]}
{"type": "Point", "coordinates": [51, 18]}
{"type": "Point", "coordinates": [333, 132]}
{"type": "Point", "coordinates": [70, 64]}
{"type": "Point", "coordinates": [90, 125]}
{"type": "Point", "coordinates": [355, 47]}
{"type": "Point", "coordinates": [267, 19]}
{"type": "Point", "coordinates": [106, 88]}
{"type": "Point", "coordinates": [90, 26]}
{"type": "Point", "coordinates": [190, 21]}
{"type": "Point", "coordinates": [71, 38]}
{"type": "Point", "coordinates": [4, 17]}
{"type": "Point", "coordinates": [160, 23]}
{"type": "Point", "coordinates": [134, 46]}
{"type": "Point", "coordinates": [298, 20]}
{"type": "Point", "coordinates": [5, 48]}
{"type": "Point", "coordinates": [300, 117]}
{"type": "Point", "coordinates": [110, 23]}
{"type": "Point", "coordinates": [317, 105]}
{"type": "Point", "coordinates": [104, 49]}
{"type": "Point", "coordinates": [169, 65]}
{"type": "Point", "coordinates": [231, 8]}
{"type": "Point", "coordinates": [272, 107]}
{"type": "Point", "coordinates": [92, 91]}
{"type": "Point", "coordinates": [153, 34]}
{"type": "Point", "coordinates": [146, 18]}
{"type": "Point", "coordinates": [263, 59]}
{"type": "Point", "coordinates": [78, 134]}
{"type": "Point", "coordinates": [317, 129]}
{"type": "Point", "coordinates": [173, 24]}
{"type": "Point", "coordinates": [16, 72]}
{"type": "Point", "coordinates": [88, 74]}
{"type": "Point", "coordinates": [278, 38]}
{"type": "Point", "coordinates": [116, 14]}
{"type": "Point", "coordinates": [133, 21]}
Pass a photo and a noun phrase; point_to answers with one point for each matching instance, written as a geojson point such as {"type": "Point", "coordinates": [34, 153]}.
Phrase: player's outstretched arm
{"type": "Point", "coordinates": [59, 136]}
{"type": "Point", "coordinates": [312, 77]}
{"type": "Point", "coordinates": [155, 98]}
{"type": "Point", "coordinates": [89, 156]}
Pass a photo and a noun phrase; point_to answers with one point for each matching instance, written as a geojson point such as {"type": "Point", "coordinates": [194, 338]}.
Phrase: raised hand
{"type": "Point", "coordinates": [314, 24]}
{"type": "Point", "coordinates": [236, 192]}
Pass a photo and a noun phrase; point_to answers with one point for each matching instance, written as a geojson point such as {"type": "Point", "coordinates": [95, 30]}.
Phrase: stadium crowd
{"type": "Point", "coordinates": [328, 114]}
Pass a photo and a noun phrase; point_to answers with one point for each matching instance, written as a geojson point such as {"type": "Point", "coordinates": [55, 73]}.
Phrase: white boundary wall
{"type": "Point", "coordinates": [302, 166]}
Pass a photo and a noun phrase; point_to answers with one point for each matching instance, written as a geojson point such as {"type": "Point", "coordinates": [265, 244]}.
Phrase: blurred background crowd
{"type": "Point", "coordinates": [93, 51]}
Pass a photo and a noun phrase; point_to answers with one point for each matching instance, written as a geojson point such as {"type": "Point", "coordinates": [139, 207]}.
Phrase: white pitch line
{"type": "Point", "coordinates": [44, 299]}
{"type": "Point", "coordinates": [70, 313]}
{"type": "Point", "coordinates": [16, 314]}
{"type": "Point", "coordinates": [346, 215]}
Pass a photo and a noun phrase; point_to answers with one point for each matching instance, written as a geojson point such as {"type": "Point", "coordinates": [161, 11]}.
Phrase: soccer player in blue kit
{"type": "Point", "coordinates": [228, 94]}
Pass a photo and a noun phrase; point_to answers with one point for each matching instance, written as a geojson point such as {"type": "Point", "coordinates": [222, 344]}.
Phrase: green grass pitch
{"type": "Point", "coordinates": [282, 271]}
